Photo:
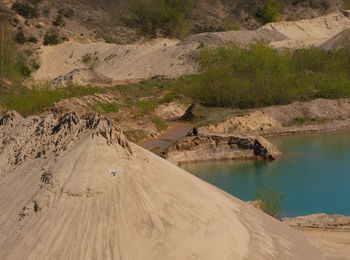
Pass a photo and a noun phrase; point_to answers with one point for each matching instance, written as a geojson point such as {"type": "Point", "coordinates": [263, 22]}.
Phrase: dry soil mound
{"type": "Point", "coordinates": [310, 31]}
{"type": "Point", "coordinates": [339, 41]}
{"type": "Point", "coordinates": [59, 201]}
{"type": "Point", "coordinates": [243, 37]}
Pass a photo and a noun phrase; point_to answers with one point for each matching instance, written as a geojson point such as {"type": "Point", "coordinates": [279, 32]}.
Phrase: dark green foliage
{"type": "Point", "coordinates": [59, 21]}
{"type": "Point", "coordinates": [32, 39]}
{"type": "Point", "coordinates": [20, 37]}
{"type": "Point", "coordinates": [25, 9]}
{"type": "Point", "coordinates": [166, 16]}
{"type": "Point", "coordinates": [269, 12]}
{"type": "Point", "coordinates": [30, 101]}
{"type": "Point", "coordinates": [68, 13]}
{"type": "Point", "coordinates": [261, 76]}
{"type": "Point", "coordinates": [272, 201]}
{"type": "Point", "coordinates": [51, 38]}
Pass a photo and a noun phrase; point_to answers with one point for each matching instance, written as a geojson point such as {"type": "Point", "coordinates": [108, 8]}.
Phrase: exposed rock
{"type": "Point", "coordinates": [206, 147]}
{"type": "Point", "coordinates": [320, 220]}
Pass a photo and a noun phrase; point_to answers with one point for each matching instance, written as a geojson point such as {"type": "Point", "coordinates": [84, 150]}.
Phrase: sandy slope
{"type": "Point", "coordinates": [172, 58]}
{"type": "Point", "coordinates": [59, 201]}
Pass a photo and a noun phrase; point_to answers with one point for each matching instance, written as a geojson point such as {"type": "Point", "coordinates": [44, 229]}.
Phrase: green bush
{"type": "Point", "coordinates": [260, 76]}
{"type": "Point", "coordinates": [272, 201]}
{"type": "Point", "coordinates": [51, 38]}
{"type": "Point", "coordinates": [20, 37]}
{"type": "Point", "coordinates": [269, 12]}
{"type": "Point", "coordinates": [59, 21]}
{"type": "Point", "coordinates": [166, 16]}
{"type": "Point", "coordinates": [26, 10]}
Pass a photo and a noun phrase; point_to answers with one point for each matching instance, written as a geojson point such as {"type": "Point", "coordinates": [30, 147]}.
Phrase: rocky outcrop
{"type": "Point", "coordinates": [320, 220]}
{"type": "Point", "coordinates": [197, 147]}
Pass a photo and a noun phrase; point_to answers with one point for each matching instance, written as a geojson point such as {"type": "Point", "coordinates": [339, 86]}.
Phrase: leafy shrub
{"type": "Point", "coordinates": [167, 16]}
{"type": "Point", "coordinates": [269, 12]}
{"type": "Point", "coordinates": [20, 37]}
{"type": "Point", "coordinates": [32, 39]}
{"type": "Point", "coordinates": [260, 76]}
{"type": "Point", "coordinates": [51, 38]}
{"type": "Point", "coordinates": [68, 13]}
{"type": "Point", "coordinates": [59, 21]}
{"type": "Point", "coordinates": [272, 201]}
{"type": "Point", "coordinates": [26, 10]}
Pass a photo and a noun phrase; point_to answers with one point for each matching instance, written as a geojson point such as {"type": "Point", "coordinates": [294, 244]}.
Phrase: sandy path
{"type": "Point", "coordinates": [174, 132]}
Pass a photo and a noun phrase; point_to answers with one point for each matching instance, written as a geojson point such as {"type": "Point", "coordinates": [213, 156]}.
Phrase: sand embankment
{"type": "Point", "coordinates": [172, 58]}
{"type": "Point", "coordinates": [60, 201]}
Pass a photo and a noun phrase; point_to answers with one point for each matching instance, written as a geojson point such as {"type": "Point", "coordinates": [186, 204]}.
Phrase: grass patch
{"type": "Point", "coordinates": [167, 98]}
{"type": "Point", "coordinates": [261, 76]}
{"type": "Point", "coordinates": [30, 101]}
{"type": "Point", "coordinates": [159, 124]}
{"type": "Point", "coordinates": [105, 108]}
{"type": "Point", "coordinates": [13, 64]}
{"type": "Point", "coordinates": [135, 135]}
{"type": "Point", "coordinates": [272, 201]}
{"type": "Point", "coordinates": [145, 106]}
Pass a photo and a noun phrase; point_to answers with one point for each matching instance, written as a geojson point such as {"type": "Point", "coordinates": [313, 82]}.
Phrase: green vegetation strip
{"type": "Point", "coordinates": [261, 76]}
{"type": "Point", "coordinates": [30, 101]}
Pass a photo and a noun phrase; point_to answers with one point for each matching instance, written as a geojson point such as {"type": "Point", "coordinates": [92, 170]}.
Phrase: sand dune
{"type": "Point", "coordinates": [60, 202]}
{"type": "Point", "coordinates": [172, 58]}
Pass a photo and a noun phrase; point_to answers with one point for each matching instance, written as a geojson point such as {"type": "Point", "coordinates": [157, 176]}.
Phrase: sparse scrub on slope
{"type": "Point", "coordinates": [165, 16]}
{"type": "Point", "coordinates": [12, 61]}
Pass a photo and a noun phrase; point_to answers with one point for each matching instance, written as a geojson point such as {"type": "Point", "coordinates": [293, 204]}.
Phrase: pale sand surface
{"type": "Point", "coordinates": [59, 201]}
{"type": "Point", "coordinates": [173, 58]}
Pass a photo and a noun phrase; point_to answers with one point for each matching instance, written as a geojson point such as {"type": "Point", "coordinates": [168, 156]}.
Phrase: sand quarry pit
{"type": "Point", "coordinates": [59, 201]}
{"type": "Point", "coordinates": [173, 58]}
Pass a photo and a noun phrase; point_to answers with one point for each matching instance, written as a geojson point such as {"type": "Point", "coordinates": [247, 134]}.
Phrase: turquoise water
{"type": "Point", "coordinates": [314, 173]}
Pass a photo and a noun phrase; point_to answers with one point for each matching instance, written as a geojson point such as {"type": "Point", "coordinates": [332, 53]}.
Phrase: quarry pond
{"type": "Point", "coordinates": [314, 173]}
